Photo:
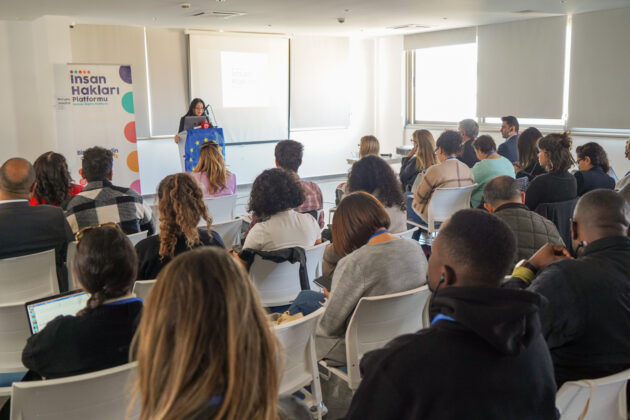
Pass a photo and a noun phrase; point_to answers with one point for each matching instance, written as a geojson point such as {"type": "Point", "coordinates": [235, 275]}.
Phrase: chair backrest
{"type": "Point", "coordinates": [28, 277]}
{"type": "Point", "coordinates": [406, 234]}
{"type": "Point", "coordinates": [594, 399]}
{"type": "Point", "coordinates": [314, 258]}
{"type": "Point", "coordinates": [72, 250]}
{"type": "Point", "coordinates": [156, 216]}
{"type": "Point", "coordinates": [277, 283]}
{"type": "Point", "coordinates": [559, 213]}
{"type": "Point", "coordinates": [416, 182]}
{"type": "Point", "coordinates": [137, 237]}
{"type": "Point", "coordinates": [446, 201]}
{"type": "Point", "coordinates": [141, 288]}
{"type": "Point", "coordinates": [379, 319]}
{"type": "Point", "coordinates": [297, 339]}
{"type": "Point", "coordinates": [102, 395]}
{"type": "Point", "coordinates": [14, 331]}
{"type": "Point", "coordinates": [230, 231]}
{"type": "Point", "coordinates": [221, 208]}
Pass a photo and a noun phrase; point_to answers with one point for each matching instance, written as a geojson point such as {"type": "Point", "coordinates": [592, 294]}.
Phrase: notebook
{"type": "Point", "coordinates": [41, 311]}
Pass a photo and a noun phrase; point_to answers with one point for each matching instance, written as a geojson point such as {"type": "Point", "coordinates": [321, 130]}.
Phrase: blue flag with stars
{"type": "Point", "coordinates": [194, 140]}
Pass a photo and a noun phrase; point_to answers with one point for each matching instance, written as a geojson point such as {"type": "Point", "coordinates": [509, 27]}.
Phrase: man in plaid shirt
{"type": "Point", "coordinates": [101, 202]}
{"type": "Point", "coordinates": [289, 157]}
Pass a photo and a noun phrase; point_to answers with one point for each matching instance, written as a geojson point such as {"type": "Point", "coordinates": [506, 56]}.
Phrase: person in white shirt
{"type": "Point", "coordinates": [275, 193]}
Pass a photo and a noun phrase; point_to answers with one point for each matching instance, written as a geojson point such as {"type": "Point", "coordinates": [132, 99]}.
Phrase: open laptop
{"type": "Point", "coordinates": [41, 311]}
{"type": "Point", "coordinates": [191, 122]}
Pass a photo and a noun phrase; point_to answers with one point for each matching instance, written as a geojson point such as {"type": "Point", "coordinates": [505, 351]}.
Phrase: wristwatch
{"type": "Point", "coordinates": [526, 264]}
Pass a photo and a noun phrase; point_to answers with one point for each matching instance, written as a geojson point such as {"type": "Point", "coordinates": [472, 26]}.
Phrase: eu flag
{"type": "Point", "coordinates": [195, 138]}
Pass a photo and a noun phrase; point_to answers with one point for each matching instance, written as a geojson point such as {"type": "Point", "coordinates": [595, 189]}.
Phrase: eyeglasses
{"type": "Point", "coordinates": [79, 235]}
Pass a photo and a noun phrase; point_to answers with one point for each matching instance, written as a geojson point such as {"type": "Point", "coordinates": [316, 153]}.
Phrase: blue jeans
{"type": "Point", "coordinates": [412, 216]}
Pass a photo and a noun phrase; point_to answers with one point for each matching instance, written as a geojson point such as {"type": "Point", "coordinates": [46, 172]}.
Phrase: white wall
{"type": "Point", "coordinates": [28, 51]}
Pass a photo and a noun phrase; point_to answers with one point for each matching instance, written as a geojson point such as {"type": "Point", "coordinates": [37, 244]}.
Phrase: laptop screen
{"type": "Point", "coordinates": [41, 311]}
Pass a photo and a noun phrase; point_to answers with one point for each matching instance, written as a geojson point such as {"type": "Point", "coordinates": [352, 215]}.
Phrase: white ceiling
{"type": "Point", "coordinates": [362, 17]}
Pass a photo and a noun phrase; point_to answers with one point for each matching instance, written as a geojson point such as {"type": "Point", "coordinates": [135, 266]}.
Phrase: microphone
{"type": "Point", "coordinates": [205, 111]}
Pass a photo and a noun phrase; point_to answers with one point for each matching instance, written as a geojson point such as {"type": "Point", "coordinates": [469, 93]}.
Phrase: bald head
{"type": "Point", "coordinates": [601, 213]}
{"type": "Point", "coordinates": [16, 179]}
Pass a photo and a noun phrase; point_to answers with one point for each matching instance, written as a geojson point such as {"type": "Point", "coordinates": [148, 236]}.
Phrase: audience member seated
{"type": "Point", "coordinates": [526, 144]}
{"type": "Point", "coordinates": [99, 336]}
{"type": "Point", "coordinates": [30, 229]}
{"type": "Point", "coordinates": [369, 145]}
{"type": "Point", "coordinates": [469, 129]}
{"type": "Point", "coordinates": [53, 181]}
{"type": "Point", "coordinates": [374, 263]}
{"type": "Point", "coordinates": [490, 165]}
{"type": "Point", "coordinates": [101, 202]}
{"type": "Point", "coordinates": [593, 169]}
{"type": "Point", "coordinates": [509, 131]}
{"type": "Point", "coordinates": [288, 155]}
{"type": "Point", "coordinates": [587, 319]}
{"type": "Point", "coordinates": [375, 176]}
{"type": "Point", "coordinates": [275, 193]}
{"type": "Point", "coordinates": [204, 347]}
{"type": "Point", "coordinates": [626, 178]}
{"type": "Point", "coordinates": [558, 184]}
{"type": "Point", "coordinates": [449, 173]}
{"type": "Point", "coordinates": [421, 157]}
{"type": "Point", "coordinates": [215, 179]}
{"type": "Point", "coordinates": [483, 356]}
{"type": "Point", "coordinates": [181, 207]}
{"type": "Point", "coordinates": [503, 197]}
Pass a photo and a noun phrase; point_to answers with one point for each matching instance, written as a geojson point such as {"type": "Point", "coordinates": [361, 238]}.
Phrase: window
{"type": "Point", "coordinates": [446, 83]}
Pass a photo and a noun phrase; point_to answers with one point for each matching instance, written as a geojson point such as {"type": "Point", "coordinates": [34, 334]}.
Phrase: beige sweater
{"type": "Point", "coordinates": [449, 174]}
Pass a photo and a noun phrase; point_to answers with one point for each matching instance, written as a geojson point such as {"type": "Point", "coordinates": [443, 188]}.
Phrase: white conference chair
{"type": "Point", "coordinates": [406, 234]}
{"type": "Point", "coordinates": [72, 249]}
{"type": "Point", "coordinates": [314, 258]}
{"type": "Point", "coordinates": [444, 202]}
{"type": "Point", "coordinates": [594, 399]}
{"type": "Point", "coordinates": [221, 208]}
{"type": "Point", "coordinates": [297, 339]}
{"type": "Point", "coordinates": [141, 288]}
{"type": "Point", "coordinates": [28, 277]}
{"type": "Point", "coordinates": [230, 231]}
{"type": "Point", "coordinates": [102, 395]}
{"type": "Point", "coordinates": [277, 283]}
{"type": "Point", "coordinates": [156, 216]}
{"type": "Point", "coordinates": [14, 331]}
{"type": "Point", "coordinates": [375, 322]}
{"type": "Point", "coordinates": [137, 237]}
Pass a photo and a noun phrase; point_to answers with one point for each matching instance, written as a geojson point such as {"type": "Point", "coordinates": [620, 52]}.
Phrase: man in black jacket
{"type": "Point", "coordinates": [483, 356]}
{"type": "Point", "coordinates": [26, 229]}
{"type": "Point", "coordinates": [587, 321]}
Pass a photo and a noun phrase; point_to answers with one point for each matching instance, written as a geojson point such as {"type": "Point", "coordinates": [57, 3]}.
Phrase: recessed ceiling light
{"type": "Point", "coordinates": [185, 5]}
{"type": "Point", "coordinates": [347, 10]}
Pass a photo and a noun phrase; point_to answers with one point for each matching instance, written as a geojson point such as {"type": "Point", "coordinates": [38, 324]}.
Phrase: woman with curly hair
{"type": "Point", "coordinates": [53, 182]}
{"type": "Point", "coordinates": [557, 184]}
{"type": "Point", "coordinates": [187, 370]}
{"type": "Point", "coordinates": [593, 164]}
{"type": "Point", "coordinates": [412, 166]}
{"type": "Point", "coordinates": [181, 207]}
{"type": "Point", "coordinates": [215, 179]}
{"type": "Point", "coordinates": [275, 193]}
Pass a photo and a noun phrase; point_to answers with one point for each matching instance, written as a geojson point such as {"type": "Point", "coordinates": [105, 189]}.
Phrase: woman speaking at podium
{"type": "Point", "coordinates": [197, 108]}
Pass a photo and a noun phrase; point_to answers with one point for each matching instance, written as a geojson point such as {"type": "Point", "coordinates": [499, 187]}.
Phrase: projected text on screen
{"type": "Point", "coordinates": [245, 79]}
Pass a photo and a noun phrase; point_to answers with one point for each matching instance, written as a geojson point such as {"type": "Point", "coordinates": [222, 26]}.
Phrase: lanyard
{"type": "Point", "coordinates": [380, 232]}
{"type": "Point", "coordinates": [439, 317]}
{"type": "Point", "coordinates": [449, 158]}
{"type": "Point", "coordinates": [491, 153]}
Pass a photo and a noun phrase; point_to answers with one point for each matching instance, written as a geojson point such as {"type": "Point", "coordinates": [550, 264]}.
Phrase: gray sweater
{"type": "Point", "coordinates": [372, 270]}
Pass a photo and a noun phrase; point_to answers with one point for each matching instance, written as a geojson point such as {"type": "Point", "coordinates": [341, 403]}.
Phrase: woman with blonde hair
{"type": "Point", "coordinates": [188, 369]}
{"type": "Point", "coordinates": [181, 207]}
{"type": "Point", "coordinates": [215, 179]}
{"type": "Point", "coordinates": [424, 151]}
{"type": "Point", "coordinates": [369, 145]}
